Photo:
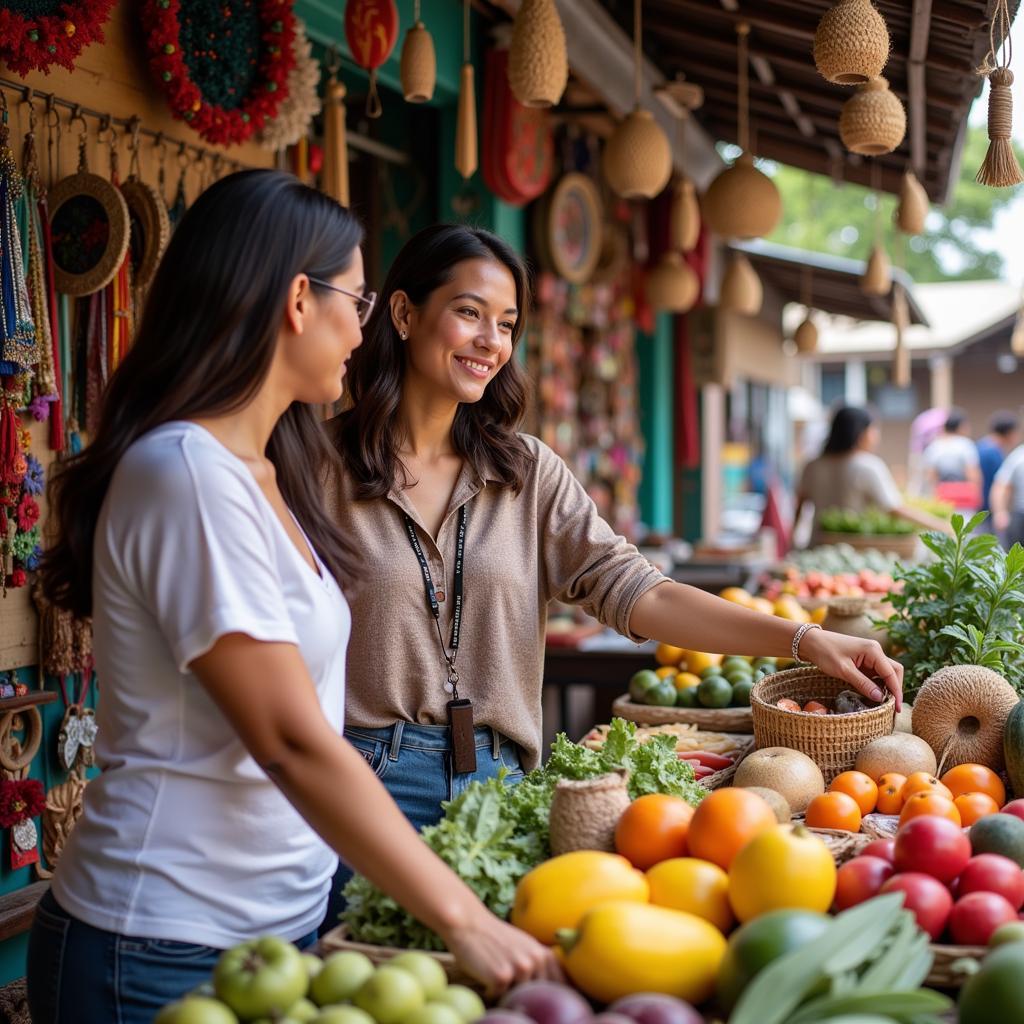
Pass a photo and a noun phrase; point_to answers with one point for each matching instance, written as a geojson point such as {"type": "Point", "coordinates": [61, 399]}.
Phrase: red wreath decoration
{"type": "Point", "coordinates": [213, 122]}
{"type": "Point", "coordinates": [34, 43]}
{"type": "Point", "coordinates": [20, 799]}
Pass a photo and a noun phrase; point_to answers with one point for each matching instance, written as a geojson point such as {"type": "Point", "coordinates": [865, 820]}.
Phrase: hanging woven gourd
{"type": "Point", "coordinates": [806, 335]}
{"type": "Point", "coordinates": [637, 159]}
{"type": "Point", "coordinates": [851, 44]}
{"type": "Point", "coordinates": [872, 121]}
{"type": "Point", "coordinates": [912, 211]}
{"type": "Point", "coordinates": [334, 177]}
{"type": "Point", "coordinates": [741, 290]}
{"type": "Point", "coordinates": [684, 216]}
{"type": "Point", "coordinates": [672, 286]}
{"type": "Point", "coordinates": [17, 331]}
{"type": "Point", "coordinates": [877, 279]}
{"type": "Point", "coordinates": [538, 63]}
{"type": "Point", "coordinates": [1000, 168]}
{"type": "Point", "coordinates": [742, 202]}
{"type": "Point", "coordinates": [418, 66]}
{"type": "Point", "coordinates": [466, 160]}
{"type": "Point", "coordinates": [371, 29]}
{"type": "Point", "coordinates": [901, 354]}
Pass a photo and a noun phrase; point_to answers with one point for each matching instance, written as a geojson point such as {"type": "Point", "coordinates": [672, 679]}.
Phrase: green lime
{"type": "Point", "coordinates": [644, 680]}
{"type": "Point", "coordinates": [715, 692]}
{"type": "Point", "coordinates": [711, 670]}
{"type": "Point", "coordinates": [741, 693]}
{"type": "Point", "coordinates": [764, 663]}
{"type": "Point", "coordinates": [687, 698]}
{"type": "Point", "coordinates": [661, 696]}
{"type": "Point", "coordinates": [737, 675]}
{"type": "Point", "coordinates": [735, 661]}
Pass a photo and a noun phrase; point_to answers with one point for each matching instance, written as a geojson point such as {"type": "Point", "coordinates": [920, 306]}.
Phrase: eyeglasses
{"type": "Point", "coordinates": [365, 303]}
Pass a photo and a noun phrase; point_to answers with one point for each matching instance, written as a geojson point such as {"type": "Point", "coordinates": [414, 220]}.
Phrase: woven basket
{"type": "Point", "coordinates": [672, 286]}
{"type": "Point", "coordinates": [418, 68]}
{"type": "Point", "coordinates": [741, 290]}
{"type": "Point", "coordinates": [831, 741]}
{"type": "Point", "coordinates": [946, 972]}
{"type": "Point", "coordinates": [806, 336]}
{"type": "Point", "coordinates": [710, 719]}
{"type": "Point", "coordinates": [538, 64]}
{"type": "Point", "coordinates": [637, 158]}
{"type": "Point", "coordinates": [902, 544]}
{"type": "Point", "coordinates": [724, 778]}
{"type": "Point", "coordinates": [684, 217]}
{"type": "Point", "coordinates": [872, 121]}
{"type": "Point", "coordinates": [912, 212]}
{"type": "Point", "coordinates": [742, 202]}
{"type": "Point", "coordinates": [851, 44]}
{"type": "Point", "coordinates": [842, 845]}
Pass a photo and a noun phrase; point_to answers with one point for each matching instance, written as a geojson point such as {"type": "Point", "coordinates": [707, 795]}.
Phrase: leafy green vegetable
{"type": "Point", "coordinates": [493, 834]}
{"type": "Point", "coordinates": [962, 607]}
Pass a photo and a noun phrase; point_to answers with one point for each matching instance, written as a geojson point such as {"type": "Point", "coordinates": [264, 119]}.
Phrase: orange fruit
{"type": "Point", "coordinates": [834, 810]}
{"type": "Point", "coordinates": [923, 782]}
{"type": "Point", "coordinates": [653, 828]}
{"type": "Point", "coordinates": [815, 707]}
{"type": "Point", "coordinates": [973, 806]}
{"type": "Point", "coordinates": [974, 778]}
{"type": "Point", "coordinates": [891, 779]}
{"type": "Point", "coordinates": [890, 796]}
{"type": "Point", "coordinates": [858, 785]}
{"type": "Point", "coordinates": [725, 821]}
{"type": "Point", "coordinates": [666, 672]}
{"type": "Point", "coordinates": [787, 705]}
{"type": "Point", "coordinates": [696, 886]}
{"type": "Point", "coordinates": [925, 802]}
{"type": "Point", "coordinates": [667, 655]}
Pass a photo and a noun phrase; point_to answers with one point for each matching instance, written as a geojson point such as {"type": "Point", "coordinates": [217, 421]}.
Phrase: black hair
{"type": "Point", "coordinates": [848, 426]}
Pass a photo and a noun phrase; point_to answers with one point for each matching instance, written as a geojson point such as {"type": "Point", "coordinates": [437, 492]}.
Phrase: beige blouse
{"type": "Point", "coordinates": [521, 552]}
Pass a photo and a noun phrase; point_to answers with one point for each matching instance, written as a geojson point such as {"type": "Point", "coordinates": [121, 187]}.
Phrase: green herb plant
{"type": "Point", "coordinates": [963, 607]}
{"type": "Point", "coordinates": [492, 834]}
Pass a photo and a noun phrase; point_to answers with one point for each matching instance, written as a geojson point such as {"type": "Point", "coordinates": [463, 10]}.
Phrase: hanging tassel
{"type": "Point", "coordinates": [465, 129]}
{"type": "Point", "coordinates": [334, 178]}
{"type": "Point", "coordinates": [1000, 168]}
{"type": "Point", "coordinates": [901, 355]}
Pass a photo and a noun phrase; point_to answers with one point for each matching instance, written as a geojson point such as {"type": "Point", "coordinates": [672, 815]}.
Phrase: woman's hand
{"type": "Point", "coordinates": [499, 955]}
{"type": "Point", "coordinates": [855, 661]}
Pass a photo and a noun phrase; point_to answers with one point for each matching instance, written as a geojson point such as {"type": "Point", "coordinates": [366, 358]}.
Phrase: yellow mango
{"type": "Point", "coordinates": [622, 948]}
{"type": "Point", "coordinates": [556, 894]}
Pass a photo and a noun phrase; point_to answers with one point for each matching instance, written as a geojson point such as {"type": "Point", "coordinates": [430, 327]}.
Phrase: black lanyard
{"type": "Point", "coordinates": [452, 685]}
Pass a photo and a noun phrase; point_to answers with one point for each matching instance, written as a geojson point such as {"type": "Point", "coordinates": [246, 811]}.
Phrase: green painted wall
{"type": "Point", "coordinates": [655, 361]}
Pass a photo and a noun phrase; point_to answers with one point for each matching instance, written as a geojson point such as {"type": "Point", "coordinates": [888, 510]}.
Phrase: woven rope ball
{"type": "Point", "coordinates": [742, 202]}
{"type": "Point", "coordinates": [684, 217]}
{"type": "Point", "coordinates": [872, 121]}
{"type": "Point", "coordinates": [877, 279]}
{"type": "Point", "coordinates": [851, 44]}
{"type": "Point", "coordinates": [741, 290]}
{"type": "Point", "coordinates": [418, 69]}
{"type": "Point", "coordinates": [672, 286]}
{"type": "Point", "coordinates": [538, 64]}
{"type": "Point", "coordinates": [637, 159]}
{"type": "Point", "coordinates": [806, 336]}
{"type": "Point", "coordinates": [912, 211]}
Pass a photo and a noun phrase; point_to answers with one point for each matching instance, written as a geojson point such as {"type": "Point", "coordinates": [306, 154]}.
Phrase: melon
{"type": "Point", "coordinates": [899, 752]}
{"type": "Point", "coordinates": [790, 773]}
{"type": "Point", "coordinates": [904, 720]}
{"type": "Point", "coordinates": [999, 833]}
{"type": "Point", "coordinates": [778, 803]}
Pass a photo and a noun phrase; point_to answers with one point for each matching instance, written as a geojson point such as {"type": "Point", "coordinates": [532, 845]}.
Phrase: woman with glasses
{"type": "Point", "coordinates": [468, 528]}
{"type": "Point", "coordinates": [192, 531]}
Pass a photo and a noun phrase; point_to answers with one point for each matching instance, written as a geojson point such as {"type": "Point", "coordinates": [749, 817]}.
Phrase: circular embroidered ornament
{"type": "Point", "coordinates": [569, 228]}
{"type": "Point", "coordinates": [36, 34]}
{"type": "Point", "coordinates": [150, 229]}
{"type": "Point", "coordinates": [222, 66]}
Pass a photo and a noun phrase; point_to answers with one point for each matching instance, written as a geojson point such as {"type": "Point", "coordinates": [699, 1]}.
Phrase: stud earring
{"type": "Point", "coordinates": [403, 335]}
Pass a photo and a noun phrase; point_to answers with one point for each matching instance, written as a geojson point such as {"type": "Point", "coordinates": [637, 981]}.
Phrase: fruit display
{"type": "Point", "coordinates": [872, 522]}
{"type": "Point", "coordinates": [814, 587]}
{"type": "Point", "coordinates": [700, 680]}
{"type": "Point", "coordinates": [268, 981]}
{"type": "Point", "coordinates": [790, 773]}
{"type": "Point", "coordinates": [847, 702]}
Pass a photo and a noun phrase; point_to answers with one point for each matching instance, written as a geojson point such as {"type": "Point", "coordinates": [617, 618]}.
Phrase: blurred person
{"type": "Point", "coordinates": [1002, 437]}
{"type": "Point", "coordinates": [1007, 498]}
{"type": "Point", "coordinates": [952, 467]}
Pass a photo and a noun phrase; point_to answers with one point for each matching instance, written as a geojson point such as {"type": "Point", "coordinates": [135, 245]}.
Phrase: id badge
{"type": "Point", "coordinates": [463, 738]}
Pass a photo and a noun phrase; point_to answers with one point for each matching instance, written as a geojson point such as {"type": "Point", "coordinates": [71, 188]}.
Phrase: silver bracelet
{"type": "Point", "coordinates": [799, 635]}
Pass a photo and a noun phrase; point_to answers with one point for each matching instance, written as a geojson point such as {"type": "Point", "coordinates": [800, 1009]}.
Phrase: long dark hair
{"type": "Point", "coordinates": [204, 348]}
{"type": "Point", "coordinates": [484, 432]}
{"type": "Point", "coordinates": [848, 426]}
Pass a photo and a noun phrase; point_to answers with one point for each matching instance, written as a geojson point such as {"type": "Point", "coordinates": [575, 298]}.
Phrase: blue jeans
{"type": "Point", "coordinates": [78, 974]}
{"type": "Point", "coordinates": [414, 763]}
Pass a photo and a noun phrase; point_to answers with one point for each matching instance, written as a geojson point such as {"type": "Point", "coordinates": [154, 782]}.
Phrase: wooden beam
{"type": "Point", "coordinates": [916, 99]}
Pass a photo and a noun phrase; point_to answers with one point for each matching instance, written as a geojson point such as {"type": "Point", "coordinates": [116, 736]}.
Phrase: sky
{"type": "Point", "coordinates": [1008, 235]}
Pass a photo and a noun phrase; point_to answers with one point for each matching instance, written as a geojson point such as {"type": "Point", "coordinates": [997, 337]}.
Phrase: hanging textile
{"type": "Point", "coordinates": [17, 332]}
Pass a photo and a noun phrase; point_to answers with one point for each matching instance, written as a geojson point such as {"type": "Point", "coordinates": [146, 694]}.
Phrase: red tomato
{"type": "Point", "coordinates": [860, 879]}
{"type": "Point", "coordinates": [933, 845]}
{"type": "Point", "coordinates": [977, 915]}
{"type": "Point", "coordinates": [883, 848]}
{"type": "Point", "coordinates": [928, 899]}
{"type": "Point", "coordinates": [1014, 807]}
{"type": "Point", "coordinates": [989, 872]}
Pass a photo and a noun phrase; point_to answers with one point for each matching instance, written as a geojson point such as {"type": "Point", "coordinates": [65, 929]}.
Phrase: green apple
{"type": "Point", "coordinates": [425, 969]}
{"type": "Point", "coordinates": [342, 1015]}
{"type": "Point", "coordinates": [433, 1013]}
{"type": "Point", "coordinates": [303, 1011]}
{"type": "Point", "coordinates": [196, 1010]}
{"type": "Point", "coordinates": [313, 964]}
{"type": "Point", "coordinates": [464, 1001]}
{"type": "Point", "coordinates": [340, 977]}
{"type": "Point", "coordinates": [390, 995]}
{"type": "Point", "coordinates": [261, 977]}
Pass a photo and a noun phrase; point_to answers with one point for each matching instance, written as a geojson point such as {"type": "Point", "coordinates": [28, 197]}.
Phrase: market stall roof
{"type": "Point", "coordinates": [794, 112]}
{"type": "Point", "coordinates": [834, 282]}
{"type": "Point", "coordinates": [959, 314]}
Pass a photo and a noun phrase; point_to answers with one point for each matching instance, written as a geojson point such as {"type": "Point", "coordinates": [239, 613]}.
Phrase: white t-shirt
{"type": "Point", "coordinates": [856, 481]}
{"type": "Point", "coordinates": [950, 456]}
{"type": "Point", "coordinates": [1012, 472]}
{"type": "Point", "coordinates": [183, 837]}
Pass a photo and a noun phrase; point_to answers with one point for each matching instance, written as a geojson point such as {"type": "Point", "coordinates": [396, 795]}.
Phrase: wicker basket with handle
{"type": "Point", "coordinates": [714, 719]}
{"type": "Point", "coordinates": [831, 741]}
{"type": "Point", "coordinates": [948, 968]}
